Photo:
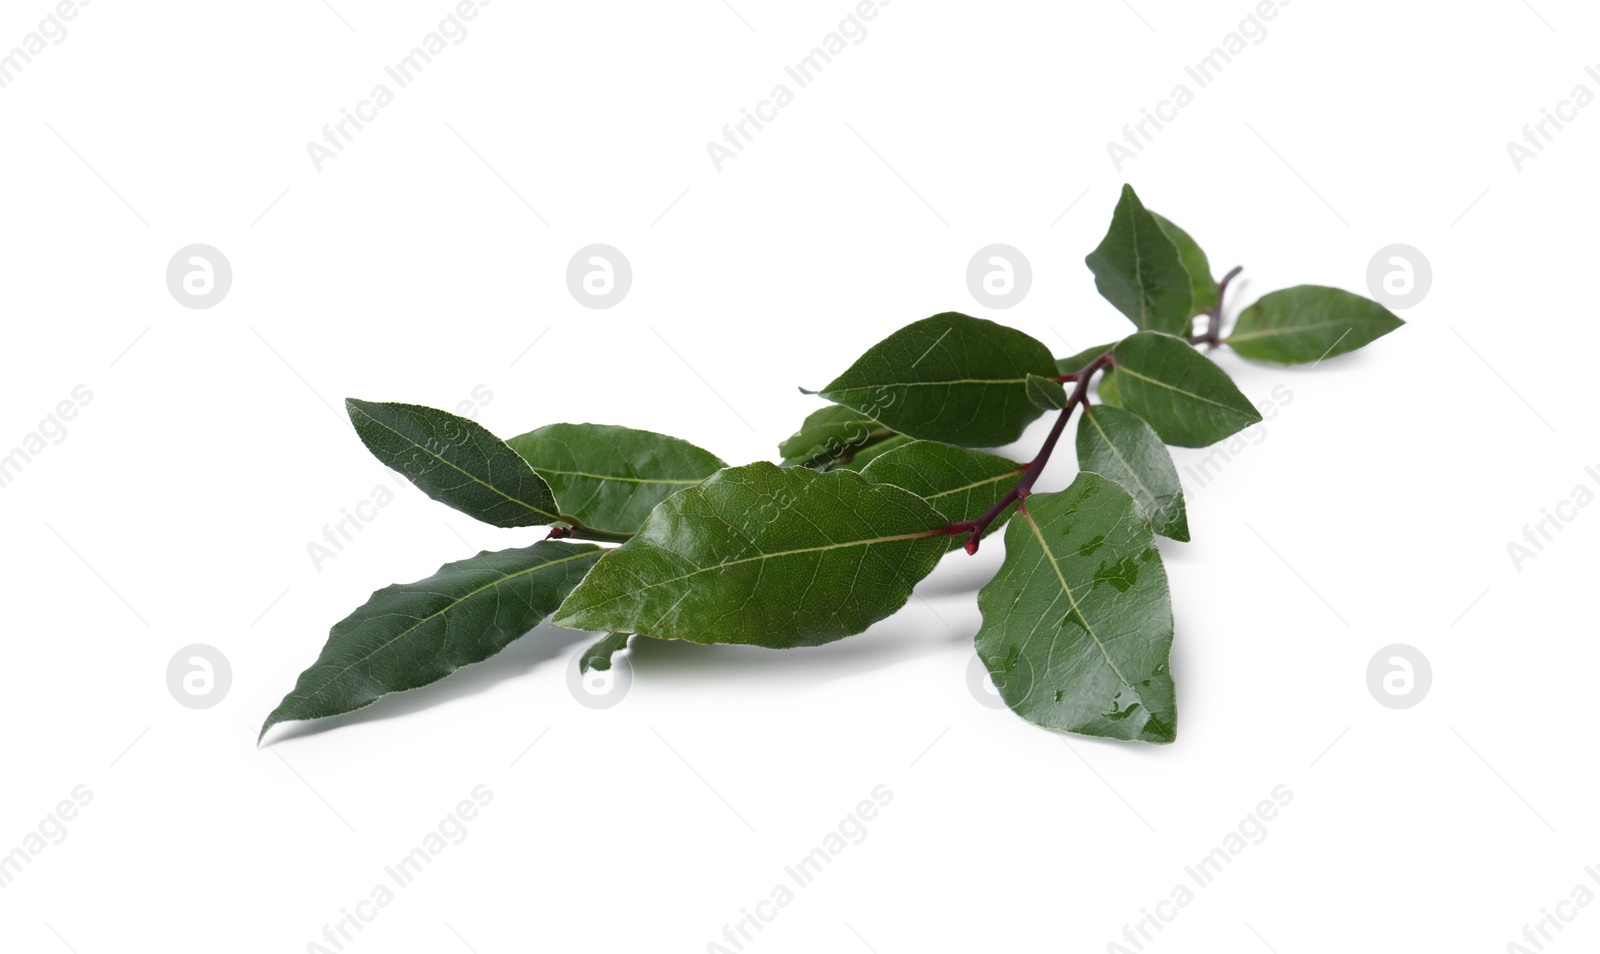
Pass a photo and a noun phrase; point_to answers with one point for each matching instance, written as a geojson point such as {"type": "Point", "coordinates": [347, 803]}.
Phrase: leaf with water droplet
{"type": "Point", "coordinates": [1093, 625]}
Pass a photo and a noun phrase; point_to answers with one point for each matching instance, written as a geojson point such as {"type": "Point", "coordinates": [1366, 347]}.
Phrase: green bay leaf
{"type": "Point", "coordinates": [610, 477]}
{"type": "Point", "coordinates": [859, 459]}
{"type": "Point", "coordinates": [1308, 323]}
{"type": "Point", "coordinates": [960, 483]}
{"type": "Point", "coordinates": [456, 462]}
{"type": "Point", "coordinates": [1194, 262]}
{"type": "Point", "coordinates": [1179, 391]}
{"type": "Point", "coordinates": [1119, 445]}
{"type": "Point", "coordinates": [1139, 269]}
{"type": "Point", "coordinates": [765, 556]}
{"type": "Point", "coordinates": [1077, 623]}
{"type": "Point", "coordinates": [831, 435]}
{"type": "Point", "coordinates": [1047, 394]}
{"type": "Point", "coordinates": [950, 378]}
{"type": "Point", "coordinates": [412, 634]}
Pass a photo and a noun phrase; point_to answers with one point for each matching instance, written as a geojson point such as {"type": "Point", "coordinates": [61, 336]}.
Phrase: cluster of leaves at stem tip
{"type": "Point", "coordinates": [654, 538]}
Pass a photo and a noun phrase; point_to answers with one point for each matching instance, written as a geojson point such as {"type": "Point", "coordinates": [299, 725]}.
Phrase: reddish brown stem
{"type": "Point", "coordinates": [1030, 474]}
{"type": "Point", "coordinates": [1213, 333]}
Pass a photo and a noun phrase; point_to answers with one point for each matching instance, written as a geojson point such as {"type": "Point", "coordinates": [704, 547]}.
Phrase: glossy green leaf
{"type": "Point", "coordinates": [1077, 624]}
{"type": "Point", "coordinates": [1118, 445]}
{"type": "Point", "coordinates": [1179, 391]}
{"type": "Point", "coordinates": [1308, 323]}
{"type": "Point", "coordinates": [876, 448]}
{"type": "Point", "coordinates": [1139, 269]}
{"type": "Point", "coordinates": [961, 484]}
{"type": "Point", "coordinates": [831, 435]}
{"type": "Point", "coordinates": [1194, 262]}
{"type": "Point", "coordinates": [599, 655]}
{"type": "Point", "coordinates": [763, 555]}
{"type": "Point", "coordinates": [1107, 389]}
{"type": "Point", "coordinates": [1047, 394]}
{"type": "Point", "coordinates": [610, 477]}
{"type": "Point", "coordinates": [950, 378]}
{"type": "Point", "coordinates": [1072, 364]}
{"type": "Point", "coordinates": [412, 634]}
{"type": "Point", "coordinates": [456, 462]}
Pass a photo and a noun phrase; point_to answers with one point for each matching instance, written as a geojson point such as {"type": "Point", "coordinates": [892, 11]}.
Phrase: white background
{"type": "Point", "coordinates": [423, 261]}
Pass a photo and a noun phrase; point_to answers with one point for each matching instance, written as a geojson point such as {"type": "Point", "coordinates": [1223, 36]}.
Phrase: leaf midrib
{"type": "Point", "coordinates": [1124, 369]}
{"type": "Point", "coordinates": [762, 556]}
{"type": "Point", "coordinates": [1289, 330]}
{"type": "Point", "coordinates": [976, 484]}
{"type": "Point", "coordinates": [1120, 459]}
{"type": "Point", "coordinates": [1072, 599]}
{"type": "Point", "coordinates": [627, 480]}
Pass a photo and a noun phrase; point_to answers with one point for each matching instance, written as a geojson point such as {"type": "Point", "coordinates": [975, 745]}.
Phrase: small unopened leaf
{"type": "Point", "coordinates": [763, 555]}
{"type": "Point", "coordinates": [411, 634]}
{"type": "Point", "coordinates": [950, 378]}
{"type": "Point", "coordinates": [1308, 323]}
{"type": "Point", "coordinates": [1139, 269]}
{"type": "Point", "coordinates": [1077, 624]}
{"type": "Point", "coordinates": [1047, 394]}
{"type": "Point", "coordinates": [599, 655]}
{"type": "Point", "coordinates": [1179, 391]}
{"type": "Point", "coordinates": [456, 462]}
{"type": "Point", "coordinates": [609, 477]}
{"type": "Point", "coordinates": [831, 435]}
{"type": "Point", "coordinates": [1116, 444]}
{"type": "Point", "coordinates": [960, 483]}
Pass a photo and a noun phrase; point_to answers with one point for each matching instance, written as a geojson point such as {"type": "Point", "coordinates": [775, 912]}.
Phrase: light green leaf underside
{"type": "Point", "coordinates": [1118, 445]}
{"type": "Point", "coordinates": [1308, 323]}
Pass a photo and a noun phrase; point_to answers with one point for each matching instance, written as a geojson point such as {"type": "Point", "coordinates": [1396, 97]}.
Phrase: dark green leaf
{"type": "Point", "coordinates": [599, 655]}
{"type": "Point", "coordinates": [1072, 364]}
{"type": "Point", "coordinates": [1077, 625]}
{"type": "Point", "coordinates": [456, 462]}
{"type": "Point", "coordinates": [610, 477]}
{"type": "Point", "coordinates": [1308, 323]}
{"type": "Point", "coordinates": [1139, 269]}
{"type": "Point", "coordinates": [1047, 394]}
{"type": "Point", "coordinates": [1118, 445]}
{"type": "Point", "coordinates": [1195, 263]}
{"type": "Point", "coordinates": [950, 378]}
{"type": "Point", "coordinates": [763, 555]}
{"type": "Point", "coordinates": [1177, 390]}
{"type": "Point", "coordinates": [961, 484]}
{"type": "Point", "coordinates": [830, 435]}
{"type": "Point", "coordinates": [411, 634]}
